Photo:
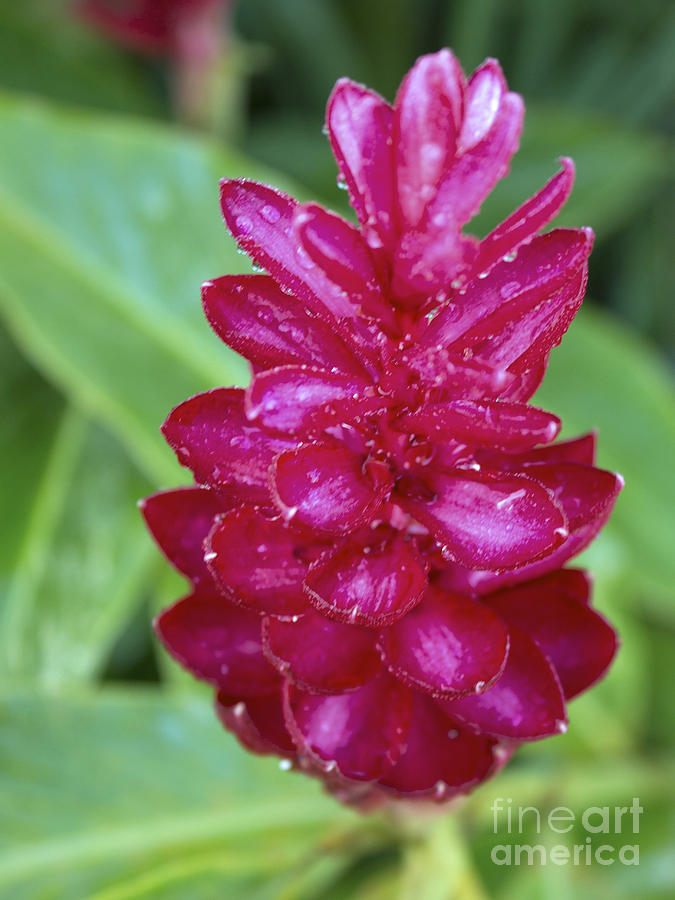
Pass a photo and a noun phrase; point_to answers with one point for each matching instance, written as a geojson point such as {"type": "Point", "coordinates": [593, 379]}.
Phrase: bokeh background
{"type": "Point", "coordinates": [115, 779]}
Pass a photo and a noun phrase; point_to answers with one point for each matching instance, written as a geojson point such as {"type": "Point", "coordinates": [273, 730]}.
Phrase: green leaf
{"type": "Point", "coordinates": [82, 560]}
{"type": "Point", "coordinates": [107, 229]}
{"type": "Point", "coordinates": [602, 376]}
{"type": "Point", "coordinates": [132, 794]}
{"type": "Point", "coordinates": [30, 412]}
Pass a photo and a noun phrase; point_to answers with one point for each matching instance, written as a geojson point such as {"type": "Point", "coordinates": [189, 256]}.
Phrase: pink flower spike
{"type": "Point", "coordinates": [377, 536]}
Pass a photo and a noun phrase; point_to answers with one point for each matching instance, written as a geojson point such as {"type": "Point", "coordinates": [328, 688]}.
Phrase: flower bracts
{"type": "Point", "coordinates": [380, 521]}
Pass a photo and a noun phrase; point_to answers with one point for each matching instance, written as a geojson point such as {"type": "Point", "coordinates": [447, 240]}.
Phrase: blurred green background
{"type": "Point", "coordinates": [115, 780]}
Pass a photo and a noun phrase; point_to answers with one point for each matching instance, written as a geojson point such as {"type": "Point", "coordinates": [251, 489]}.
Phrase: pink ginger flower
{"type": "Point", "coordinates": [173, 27]}
{"type": "Point", "coordinates": [377, 536]}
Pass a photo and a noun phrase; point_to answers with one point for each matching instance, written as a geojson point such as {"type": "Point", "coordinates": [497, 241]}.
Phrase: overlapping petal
{"type": "Point", "coordinates": [526, 703]}
{"type": "Point", "coordinates": [272, 328]}
{"type": "Point", "coordinates": [489, 520]}
{"type": "Point", "coordinates": [447, 645]}
{"type": "Point", "coordinates": [361, 734]}
{"type": "Point", "coordinates": [327, 489]}
{"type": "Point", "coordinates": [369, 585]}
{"type": "Point", "coordinates": [257, 563]}
{"type": "Point", "coordinates": [442, 758]}
{"type": "Point", "coordinates": [320, 655]}
{"type": "Point", "coordinates": [179, 521]}
{"type": "Point", "coordinates": [218, 643]}
{"type": "Point", "coordinates": [212, 436]}
{"type": "Point", "coordinates": [554, 611]}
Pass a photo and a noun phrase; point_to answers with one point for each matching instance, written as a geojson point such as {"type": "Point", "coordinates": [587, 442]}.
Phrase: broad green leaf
{"type": "Point", "coordinates": [107, 229]}
{"type": "Point", "coordinates": [127, 794]}
{"type": "Point", "coordinates": [604, 377]}
{"type": "Point", "coordinates": [81, 560]}
{"type": "Point", "coordinates": [30, 413]}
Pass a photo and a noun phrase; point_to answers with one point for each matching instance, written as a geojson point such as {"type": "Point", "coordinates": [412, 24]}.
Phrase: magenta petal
{"type": "Point", "coordinates": [179, 521]}
{"type": "Point", "coordinates": [218, 643]}
{"type": "Point", "coordinates": [360, 126]}
{"type": "Point", "coordinates": [257, 722]}
{"type": "Point", "coordinates": [577, 450]}
{"type": "Point", "coordinates": [526, 703]}
{"type": "Point", "coordinates": [491, 521]}
{"type": "Point", "coordinates": [325, 489]}
{"type": "Point", "coordinates": [585, 493]}
{"type": "Point", "coordinates": [483, 96]}
{"type": "Point", "coordinates": [212, 436]}
{"type": "Point", "coordinates": [447, 645]}
{"type": "Point", "coordinates": [319, 655]}
{"type": "Point", "coordinates": [371, 586]}
{"type": "Point", "coordinates": [260, 219]}
{"type": "Point", "coordinates": [429, 259]}
{"type": "Point", "coordinates": [445, 373]}
{"type": "Point", "coordinates": [361, 733]}
{"type": "Point", "coordinates": [441, 757]}
{"type": "Point", "coordinates": [295, 399]}
{"type": "Point", "coordinates": [508, 426]}
{"type": "Point", "coordinates": [428, 114]}
{"type": "Point", "coordinates": [474, 174]}
{"type": "Point", "coordinates": [254, 560]}
{"type": "Point", "coordinates": [552, 610]}
{"type": "Point", "coordinates": [271, 328]}
{"type": "Point", "coordinates": [339, 249]}
{"type": "Point", "coordinates": [511, 291]}
{"type": "Point", "coordinates": [522, 224]}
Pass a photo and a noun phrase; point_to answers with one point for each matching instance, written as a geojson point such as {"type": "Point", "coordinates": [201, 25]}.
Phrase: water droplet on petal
{"type": "Point", "coordinates": [270, 214]}
{"type": "Point", "coordinates": [244, 224]}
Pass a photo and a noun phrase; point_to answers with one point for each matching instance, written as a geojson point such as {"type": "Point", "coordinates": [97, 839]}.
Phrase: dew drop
{"type": "Point", "coordinates": [510, 289]}
{"type": "Point", "coordinates": [342, 182]}
{"type": "Point", "coordinates": [270, 214]}
{"type": "Point", "coordinates": [285, 765]}
{"type": "Point", "coordinates": [244, 224]}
